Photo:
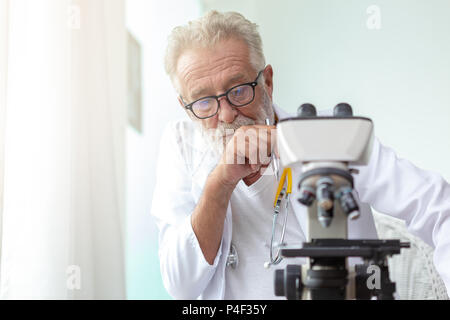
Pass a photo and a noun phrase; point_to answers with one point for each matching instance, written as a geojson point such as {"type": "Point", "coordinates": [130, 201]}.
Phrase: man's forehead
{"type": "Point", "coordinates": [199, 68]}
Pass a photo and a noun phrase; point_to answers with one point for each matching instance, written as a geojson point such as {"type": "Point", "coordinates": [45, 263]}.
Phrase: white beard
{"type": "Point", "coordinates": [217, 138]}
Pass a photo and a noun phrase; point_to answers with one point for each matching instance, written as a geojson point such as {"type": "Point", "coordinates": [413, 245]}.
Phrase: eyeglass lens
{"type": "Point", "coordinates": [238, 97]}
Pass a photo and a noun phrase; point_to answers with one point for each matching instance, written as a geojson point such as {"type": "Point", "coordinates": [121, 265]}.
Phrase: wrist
{"type": "Point", "coordinates": [220, 177]}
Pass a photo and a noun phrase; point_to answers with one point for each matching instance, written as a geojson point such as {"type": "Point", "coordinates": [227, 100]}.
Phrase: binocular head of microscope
{"type": "Point", "coordinates": [324, 147]}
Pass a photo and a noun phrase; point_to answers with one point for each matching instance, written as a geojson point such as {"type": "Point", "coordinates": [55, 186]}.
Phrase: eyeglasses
{"type": "Point", "coordinates": [238, 96]}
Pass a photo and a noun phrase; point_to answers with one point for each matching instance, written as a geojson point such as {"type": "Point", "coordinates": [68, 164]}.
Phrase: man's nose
{"type": "Point", "coordinates": [227, 113]}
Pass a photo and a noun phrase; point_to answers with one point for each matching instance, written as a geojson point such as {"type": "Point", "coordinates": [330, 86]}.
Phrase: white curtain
{"type": "Point", "coordinates": [62, 127]}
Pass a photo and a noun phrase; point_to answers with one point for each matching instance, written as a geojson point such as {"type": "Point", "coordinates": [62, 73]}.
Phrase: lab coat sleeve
{"type": "Point", "coordinates": [185, 272]}
{"type": "Point", "coordinates": [421, 198]}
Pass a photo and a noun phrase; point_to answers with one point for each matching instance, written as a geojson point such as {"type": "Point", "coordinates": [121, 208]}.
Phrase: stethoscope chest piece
{"type": "Point", "coordinates": [232, 259]}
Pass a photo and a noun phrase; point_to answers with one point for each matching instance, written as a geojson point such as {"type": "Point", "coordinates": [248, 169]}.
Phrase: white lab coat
{"type": "Point", "coordinates": [389, 184]}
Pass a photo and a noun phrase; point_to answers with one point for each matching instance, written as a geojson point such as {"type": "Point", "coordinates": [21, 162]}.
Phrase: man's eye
{"type": "Point", "coordinates": [203, 104]}
{"type": "Point", "coordinates": [237, 92]}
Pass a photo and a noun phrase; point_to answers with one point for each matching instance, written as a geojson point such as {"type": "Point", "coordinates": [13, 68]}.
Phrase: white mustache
{"type": "Point", "coordinates": [224, 129]}
{"type": "Point", "coordinates": [218, 137]}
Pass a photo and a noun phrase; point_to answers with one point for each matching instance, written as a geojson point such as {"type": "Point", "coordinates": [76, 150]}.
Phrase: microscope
{"type": "Point", "coordinates": [325, 147]}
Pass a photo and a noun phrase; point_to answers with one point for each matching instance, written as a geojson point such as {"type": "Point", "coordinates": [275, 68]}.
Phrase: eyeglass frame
{"type": "Point", "coordinates": [253, 84]}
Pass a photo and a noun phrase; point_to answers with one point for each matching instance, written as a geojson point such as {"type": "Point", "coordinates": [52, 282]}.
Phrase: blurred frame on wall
{"type": "Point", "coordinates": [134, 83]}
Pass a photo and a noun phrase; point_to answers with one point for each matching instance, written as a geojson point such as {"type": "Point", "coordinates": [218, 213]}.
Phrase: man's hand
{"type": "Point", "coordinates": [246, 153]}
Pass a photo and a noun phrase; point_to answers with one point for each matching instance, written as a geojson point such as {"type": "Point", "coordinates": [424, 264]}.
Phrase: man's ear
{"type": "Point", "coordinates": [268, 80]}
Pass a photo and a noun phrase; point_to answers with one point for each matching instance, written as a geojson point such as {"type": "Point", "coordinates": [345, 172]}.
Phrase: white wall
{"type": "Point", "coordinates": [150, 21]}
{"type": "Point", "coordinates": [322, 52]}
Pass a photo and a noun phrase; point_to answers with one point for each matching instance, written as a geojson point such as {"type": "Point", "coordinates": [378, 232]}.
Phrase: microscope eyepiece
{"type": "Point", "coordinates": [343, 110]}
{"type": "Point", "coordinates": [306, 110]}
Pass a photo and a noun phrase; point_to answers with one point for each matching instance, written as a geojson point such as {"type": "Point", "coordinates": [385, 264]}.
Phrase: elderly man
{"type": "Point", "coordinates": [208, 207]}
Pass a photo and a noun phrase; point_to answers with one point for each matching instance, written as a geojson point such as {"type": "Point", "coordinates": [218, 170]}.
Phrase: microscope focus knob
{"type": "Point", "coordinates": [279, 283]}
{"type": "Point", "coordinates": [288, 282]}
{"type": "Point", "coordinates": [306, 110]}
{"type": "Point", "coordinates": [343, 110]}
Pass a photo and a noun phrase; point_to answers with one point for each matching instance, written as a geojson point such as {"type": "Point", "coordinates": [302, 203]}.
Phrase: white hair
{"type": "Point", "coordinates": [210, 29]}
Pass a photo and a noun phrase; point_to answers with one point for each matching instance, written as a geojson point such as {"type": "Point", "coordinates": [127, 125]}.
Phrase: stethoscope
{"type": "Point", "coordinates": [283, 192]}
